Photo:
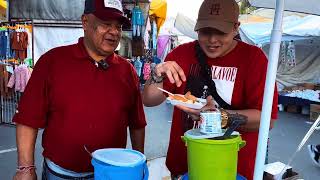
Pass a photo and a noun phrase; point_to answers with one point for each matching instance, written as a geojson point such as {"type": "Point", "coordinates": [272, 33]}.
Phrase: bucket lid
{"type": "Point", "coordinates": [196, 134]}
{"type": "Point", "coordinates": [119, 157]}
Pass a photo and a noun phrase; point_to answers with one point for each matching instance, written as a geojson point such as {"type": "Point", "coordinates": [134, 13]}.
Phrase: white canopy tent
{"type": "Point", "coordinates": [309, 6]}
{"type": "Point", "coordinates": [302, 30]}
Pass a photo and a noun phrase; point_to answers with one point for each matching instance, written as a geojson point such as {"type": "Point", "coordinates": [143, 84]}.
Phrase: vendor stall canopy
{"type": "Point", "coordinates": [158, 11]}
{"type": "Point", "coordinates": [3, 9]}
{"type": "Point", "coordinates": [60, 10]}
{"type": "Point", "coordinates": [308, 7]}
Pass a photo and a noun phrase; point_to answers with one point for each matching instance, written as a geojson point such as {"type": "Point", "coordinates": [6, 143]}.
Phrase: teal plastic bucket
{"type": "Point", "coordinates": [119, 164]}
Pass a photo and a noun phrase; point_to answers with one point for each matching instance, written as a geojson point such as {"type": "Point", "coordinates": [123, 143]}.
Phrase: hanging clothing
{"type": "Point", "coordinates": [137, 46]}
{"type": "Point", "coordinates": [4, 76]}
{"type": "Point", "coordinates": [156, 60]}
{"type": "Point", "coordinates": [19, 78]}
{"type": "Point", "coordinates": [138, 66]}
{"type": "Point", "coordinates": [3, 43]}
{"type": "Point", "coordinates": [154, 35]}
{"type": "Point", "coordinates": [291, 54]}
{"type": "Point", "coordinates": [162, 43]}
{"type": "Point", "coordinates": [146, 70]}
{"type": "Point", "coordinates": [29, 45]}
{"type": "Point", "coordinates": [147, 34]}
{"type": "Point", "coordinates": [137, 21]}
{"type": "Point", "coordinates": [19, 44]}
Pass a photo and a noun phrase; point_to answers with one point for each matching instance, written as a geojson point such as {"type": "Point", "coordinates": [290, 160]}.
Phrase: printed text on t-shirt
{"type": "Point", "coordinates": [224, 73]}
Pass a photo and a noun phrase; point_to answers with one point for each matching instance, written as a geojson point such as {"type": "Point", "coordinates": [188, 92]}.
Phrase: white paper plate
{"type": "Point", "coordinates": [196, 105]}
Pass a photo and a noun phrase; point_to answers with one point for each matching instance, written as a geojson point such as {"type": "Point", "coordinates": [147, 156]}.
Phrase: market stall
{"type": "Point", "coordinates": [3, 10]}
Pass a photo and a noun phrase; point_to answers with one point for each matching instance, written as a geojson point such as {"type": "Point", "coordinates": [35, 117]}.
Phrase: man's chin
{"type": "Point", "coordinates": [106, 52]}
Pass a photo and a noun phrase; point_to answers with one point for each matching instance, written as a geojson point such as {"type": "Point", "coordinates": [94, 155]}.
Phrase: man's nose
{"type": "Point", "coordinates": [212, 37]}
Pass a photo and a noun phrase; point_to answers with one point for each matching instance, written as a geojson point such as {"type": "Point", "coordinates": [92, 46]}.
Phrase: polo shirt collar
{"type": "Point", "coordinates": [82, 53]}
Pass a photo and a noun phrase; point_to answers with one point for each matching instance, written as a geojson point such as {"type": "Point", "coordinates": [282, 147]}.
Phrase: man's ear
{"type": "Point", "coordinates": [84, 20]}
{"type": "Point", "coordinates": [236, 28]}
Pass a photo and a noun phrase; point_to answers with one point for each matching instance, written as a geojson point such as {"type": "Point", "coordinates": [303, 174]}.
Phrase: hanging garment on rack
{"type": "Point", "coordinates": [29, 45]}
{"type": "Point", "coordinates": [19, 44]}
{"type": "Point", "coordinates": [154, 35]}
{"type": "Point", "coordinates": [19, 78]}
{"type": "Point", "coordinates": [4, 78]}
{"type": "Point", "coordinates": [137, 46]}
{"type": "Point", "coordinates": [147, 33]}
{"type": "Point", "coordinates": [146, 70]}
{"type": "Point", "coordinates": [162, 44]}
{"type": "Point", "coordinates": [3, 44]}
{"type": "Point", "coordinates": [291, 54]}
{"type": "Point", "coordinates": [138, 66]}
{"type": "Point", "coordinates": [5, 48]}
{"type": "Point", "coordinates": [137, 21]}
{"type": "Point", "coordinates": [283, 54]}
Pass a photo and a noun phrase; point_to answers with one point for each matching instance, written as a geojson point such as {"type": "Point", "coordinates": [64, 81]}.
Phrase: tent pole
{"type": "Point", "coordinates": [276, 37]}
{"type": "Point", "coordinates": [8, 11]}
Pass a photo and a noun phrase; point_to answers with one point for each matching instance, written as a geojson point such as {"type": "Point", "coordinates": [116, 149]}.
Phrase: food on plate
{"type": "Point", "coordinates": [191, 97]}
{"type": "Point", "coordinates": [187, 98]}
{"type": "Point", "coordinates": [178, 97]}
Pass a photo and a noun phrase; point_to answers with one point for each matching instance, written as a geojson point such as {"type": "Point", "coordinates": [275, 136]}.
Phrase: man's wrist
{"type": "Point", "coordinates": [27, 168]}
{"type": "Point", "coordinates": [154, 78]}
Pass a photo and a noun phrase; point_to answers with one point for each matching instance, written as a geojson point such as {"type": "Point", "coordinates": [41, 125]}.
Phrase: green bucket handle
{"type": "Point", "coordinates": [242, 143]}
{"type": "Point", "coordinates": [184, 139]}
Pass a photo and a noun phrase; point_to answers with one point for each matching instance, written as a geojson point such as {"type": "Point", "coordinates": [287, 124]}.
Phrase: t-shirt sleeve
{"type": "Point", "coordinates": [33, 106]}
{"type": "Point", "coordinates": [255, 83]}
{"type": "Point", "coordinates": [137, 118]}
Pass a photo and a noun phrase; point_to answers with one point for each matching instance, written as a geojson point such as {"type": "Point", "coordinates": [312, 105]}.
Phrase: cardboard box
{"type": "Point", "coordinates": [293, 109]}
{"type": "Point", "coordinates": [275, 171]}
{"type": "Point", "coordinates": [314, 111]}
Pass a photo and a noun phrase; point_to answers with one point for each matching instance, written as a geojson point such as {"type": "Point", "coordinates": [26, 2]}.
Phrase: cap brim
{"type": "Point", "coordinates": [223, 26]}
{"type": "Point", "coordinates": [114, 16]}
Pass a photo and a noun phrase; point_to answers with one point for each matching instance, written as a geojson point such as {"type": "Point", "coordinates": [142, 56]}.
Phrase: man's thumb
{"type": "Point", "coordinates": [210, 100]}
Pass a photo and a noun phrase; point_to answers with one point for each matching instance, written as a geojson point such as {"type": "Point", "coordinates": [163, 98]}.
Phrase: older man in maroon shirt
{"type": "Point", "coordinates": [83, 95]}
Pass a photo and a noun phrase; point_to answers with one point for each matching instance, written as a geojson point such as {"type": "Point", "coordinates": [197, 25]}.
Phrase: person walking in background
{"type": "Point", "coordinates": [314, 152]}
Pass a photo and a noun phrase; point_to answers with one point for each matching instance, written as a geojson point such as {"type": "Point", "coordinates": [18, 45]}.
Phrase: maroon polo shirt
{"type": "Point", "coordinates": [79, 104]}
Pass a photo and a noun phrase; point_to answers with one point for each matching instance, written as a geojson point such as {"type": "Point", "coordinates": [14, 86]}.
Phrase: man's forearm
{"type": "Point", "coordinates": [253, 123]}
{"type": "Point", "coordinates": [253, 119]}
{"type": "Point", "coordinates": [152, 96]}
{"type": "Point", "coordinates": [26, 138]}
{"type": "Point", "coordinates": [137, 139]}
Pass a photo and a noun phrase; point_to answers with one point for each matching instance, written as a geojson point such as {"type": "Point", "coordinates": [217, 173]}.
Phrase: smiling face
{"type": "Point", "coordinates": [101, 37]}
{"type": "Point", "coordinates": [216, 43]}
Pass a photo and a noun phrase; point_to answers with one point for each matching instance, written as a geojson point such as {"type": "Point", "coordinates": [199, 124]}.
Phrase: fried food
{"type": "Point", "coordinates": [191, 97]}
{"type": "Point", "coordinates": [188, 97]}
{"type": "Point", "coordinates": [178, 97]}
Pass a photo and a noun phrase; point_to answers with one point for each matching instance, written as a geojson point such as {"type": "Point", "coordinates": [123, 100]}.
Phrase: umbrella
{"type": "Point", "coordinates": [158, 11]}
{"type": "Point", "coordinates": [312, 7]}
{"type": "Point", "coordinates": [3, 7]}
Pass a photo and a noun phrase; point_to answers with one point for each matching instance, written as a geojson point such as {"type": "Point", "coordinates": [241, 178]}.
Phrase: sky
{"type": "Point", "coordinates": [187, 7]}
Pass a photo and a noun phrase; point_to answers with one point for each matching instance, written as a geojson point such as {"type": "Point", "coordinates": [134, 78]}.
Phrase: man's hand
{"type": "Point", "coordinates": [194, 113]}
{"type": "Point", "coordinates": [172, 71]}
{"type": "Point", "coordinates": [29, 175]}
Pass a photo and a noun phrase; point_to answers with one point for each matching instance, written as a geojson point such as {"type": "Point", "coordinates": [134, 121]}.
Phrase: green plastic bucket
{"type": "Point", "coordinates": [213, 159]}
